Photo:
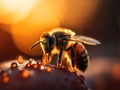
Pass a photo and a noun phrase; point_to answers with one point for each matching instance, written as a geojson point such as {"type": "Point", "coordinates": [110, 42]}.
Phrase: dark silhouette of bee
{"type": "Point", "coordinates": [64, 41]}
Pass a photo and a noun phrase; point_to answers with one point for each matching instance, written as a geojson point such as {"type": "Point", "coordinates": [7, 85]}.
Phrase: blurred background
{"type": "Point", "coordinates": [23, 21]}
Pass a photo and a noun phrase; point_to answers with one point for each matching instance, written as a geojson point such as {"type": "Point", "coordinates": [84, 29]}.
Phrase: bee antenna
{"type": "Point", "coordinates": [35, 44]}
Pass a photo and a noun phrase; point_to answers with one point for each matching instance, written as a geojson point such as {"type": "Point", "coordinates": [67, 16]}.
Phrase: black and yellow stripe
{"type": "Point", "coordinates": [82, 62]}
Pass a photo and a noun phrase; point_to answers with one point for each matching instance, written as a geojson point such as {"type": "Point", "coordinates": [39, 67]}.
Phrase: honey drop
{"type": "Point", "coordinates": [5, 78]}
{"type": "Point", "coordinates": [35, 66]}
{"type": "Point", "coordinates": [28, 65]}
{"type": "Point", "coordinates": [42, 67]}
{"type": "Point", "coordinates": [38, 62]}
{"type": "Point", "coordinates": [20, 59]}
{"type": "Point", "coordinates": [25, 74]}
{"type": "Point", "coordinates": [14, 65]}
{"type": "Point", "coordinates": [48, 69]}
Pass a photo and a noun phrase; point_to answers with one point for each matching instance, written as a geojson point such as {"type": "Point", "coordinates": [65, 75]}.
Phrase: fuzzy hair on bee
{"type": "Point", "coordinates": [69, 47]}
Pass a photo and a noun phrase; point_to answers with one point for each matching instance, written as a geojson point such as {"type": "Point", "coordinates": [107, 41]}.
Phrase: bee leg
{"type": "Point", "coordinates": [44, 59]}
{"type": "Point", "coordinates": [48, 59]}
{"type": "Point", "coordinates": [59, 61]}
{"type": "Point", "coordinates": [72, 56]}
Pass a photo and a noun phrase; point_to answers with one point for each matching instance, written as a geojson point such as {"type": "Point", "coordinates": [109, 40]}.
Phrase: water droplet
{"type": "Point", "coordinates": [32, 61]}
{"type": "Point", "coordinates": [42, 67]}
{"type": "Point", "coordinates": [28, 65]}
{"type": "Point", "coordinates": [14, 65]}
{"type": "Point", "coordinates": [25, 73]}
{"type": "Point", "coordinates": [20, 59]}
{"type": "Point", "coordinates": [48, 69]}
{"type": "Point", "coordinates": [35, 66]}
{"type": "Point", "coordinates": [39, 62]}
{"type": "Point", "coordinates": [5, 78]}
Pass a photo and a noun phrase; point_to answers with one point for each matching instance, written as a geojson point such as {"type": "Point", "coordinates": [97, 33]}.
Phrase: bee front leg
{"type": "Point", "coordinates": [45, 59]}
{"type": "Point", "coordinates": [49, 56]}
{"type": "Point", "coordinates": [59, 61]}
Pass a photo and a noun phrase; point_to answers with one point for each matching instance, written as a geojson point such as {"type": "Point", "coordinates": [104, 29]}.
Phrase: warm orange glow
{"type": "Point", "coordinates": [116, 71]}
{"type": "Point", "coordinates": [20, 59]}
{"type": "Point", "coordinates": [67, 61]}
{"type": "Point", "coordinates": [45, 59]}
{"type": "Point", "coordinates": [30, 18]}
{"type": "Point", "coordinates": [29, 30]}
{"type": "Point", "coordinates": [13, 11]}
{"type": "Point", "coordinates": [48, 69]}
{"type": "Point", "coordinates": [42, 67]}
{"type": "Point", "coordinates": [35, 66]}
{"type": "Point", "coordinates": [25, 73]}
{"type": "Point", "coordinates": [68, 31]}
{"type": "Point", "coordinates": [14, 65]}
{"type": "Point", "coordinates": [79, 12]}
{"type": "Point", "coordinates": [28, 65]}
{"type": "Point", "coordinates": [5, 79]}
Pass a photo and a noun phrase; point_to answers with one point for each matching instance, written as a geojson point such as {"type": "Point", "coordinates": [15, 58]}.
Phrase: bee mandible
{"type": "Point", "coordinates": [60, 40]}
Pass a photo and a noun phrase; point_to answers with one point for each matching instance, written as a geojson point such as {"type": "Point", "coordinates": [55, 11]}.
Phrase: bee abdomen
{"type": "Point", "coordinates": [82, 62]}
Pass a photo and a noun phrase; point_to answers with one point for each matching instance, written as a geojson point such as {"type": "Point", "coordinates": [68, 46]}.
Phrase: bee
{"type": "Point", "coordinates": [65, 42]}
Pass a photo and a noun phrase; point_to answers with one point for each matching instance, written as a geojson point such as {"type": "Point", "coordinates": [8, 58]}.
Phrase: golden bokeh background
{"type": "Point", "coordinates": [28, 19]}
{"type": "Point", "coordinates": [23, 21]}
{"type": "Point", "coordinates": [29, 30]}
{"type": "Point", "coordinates": [14, 11]}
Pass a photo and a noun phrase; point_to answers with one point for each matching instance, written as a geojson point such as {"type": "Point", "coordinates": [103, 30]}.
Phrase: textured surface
{"type": "Point", "coordinates": [33, 75]}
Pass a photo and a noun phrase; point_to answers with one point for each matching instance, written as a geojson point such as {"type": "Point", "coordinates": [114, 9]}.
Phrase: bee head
{"type": "Point", "coordinates": [48, 42]}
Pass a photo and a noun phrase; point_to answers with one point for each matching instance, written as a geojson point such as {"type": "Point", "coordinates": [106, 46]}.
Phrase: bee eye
{"type": "Point", "coordinates": [51, 42]}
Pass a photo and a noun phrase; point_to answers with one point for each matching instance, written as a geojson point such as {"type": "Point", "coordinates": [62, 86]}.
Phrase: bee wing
{"type": "Point", "coordinates": [85, 40]}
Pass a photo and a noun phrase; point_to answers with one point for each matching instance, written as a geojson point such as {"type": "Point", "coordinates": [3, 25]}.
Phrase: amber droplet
{"type": "Point", "coordinates": [39, 62]}
{"type": "Point", "coordinates": [35, 66]}
{"type": "Point", "coordinates": [25, 74]}
{"type": "Point", "coordinates": [48, 69]}
{"type": "Point", "coordinates": [42, 67]}
{"type": "Point", "coordinates": [14, 65]}
{"type": "Point", "coordinates": [20, 59]}
{"type": "Point", "coordinates": [5, 78]}
{"type": "Point", "coordinates": [32, 61]}
{"type": "Point", "coordinates": [28, 65]}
